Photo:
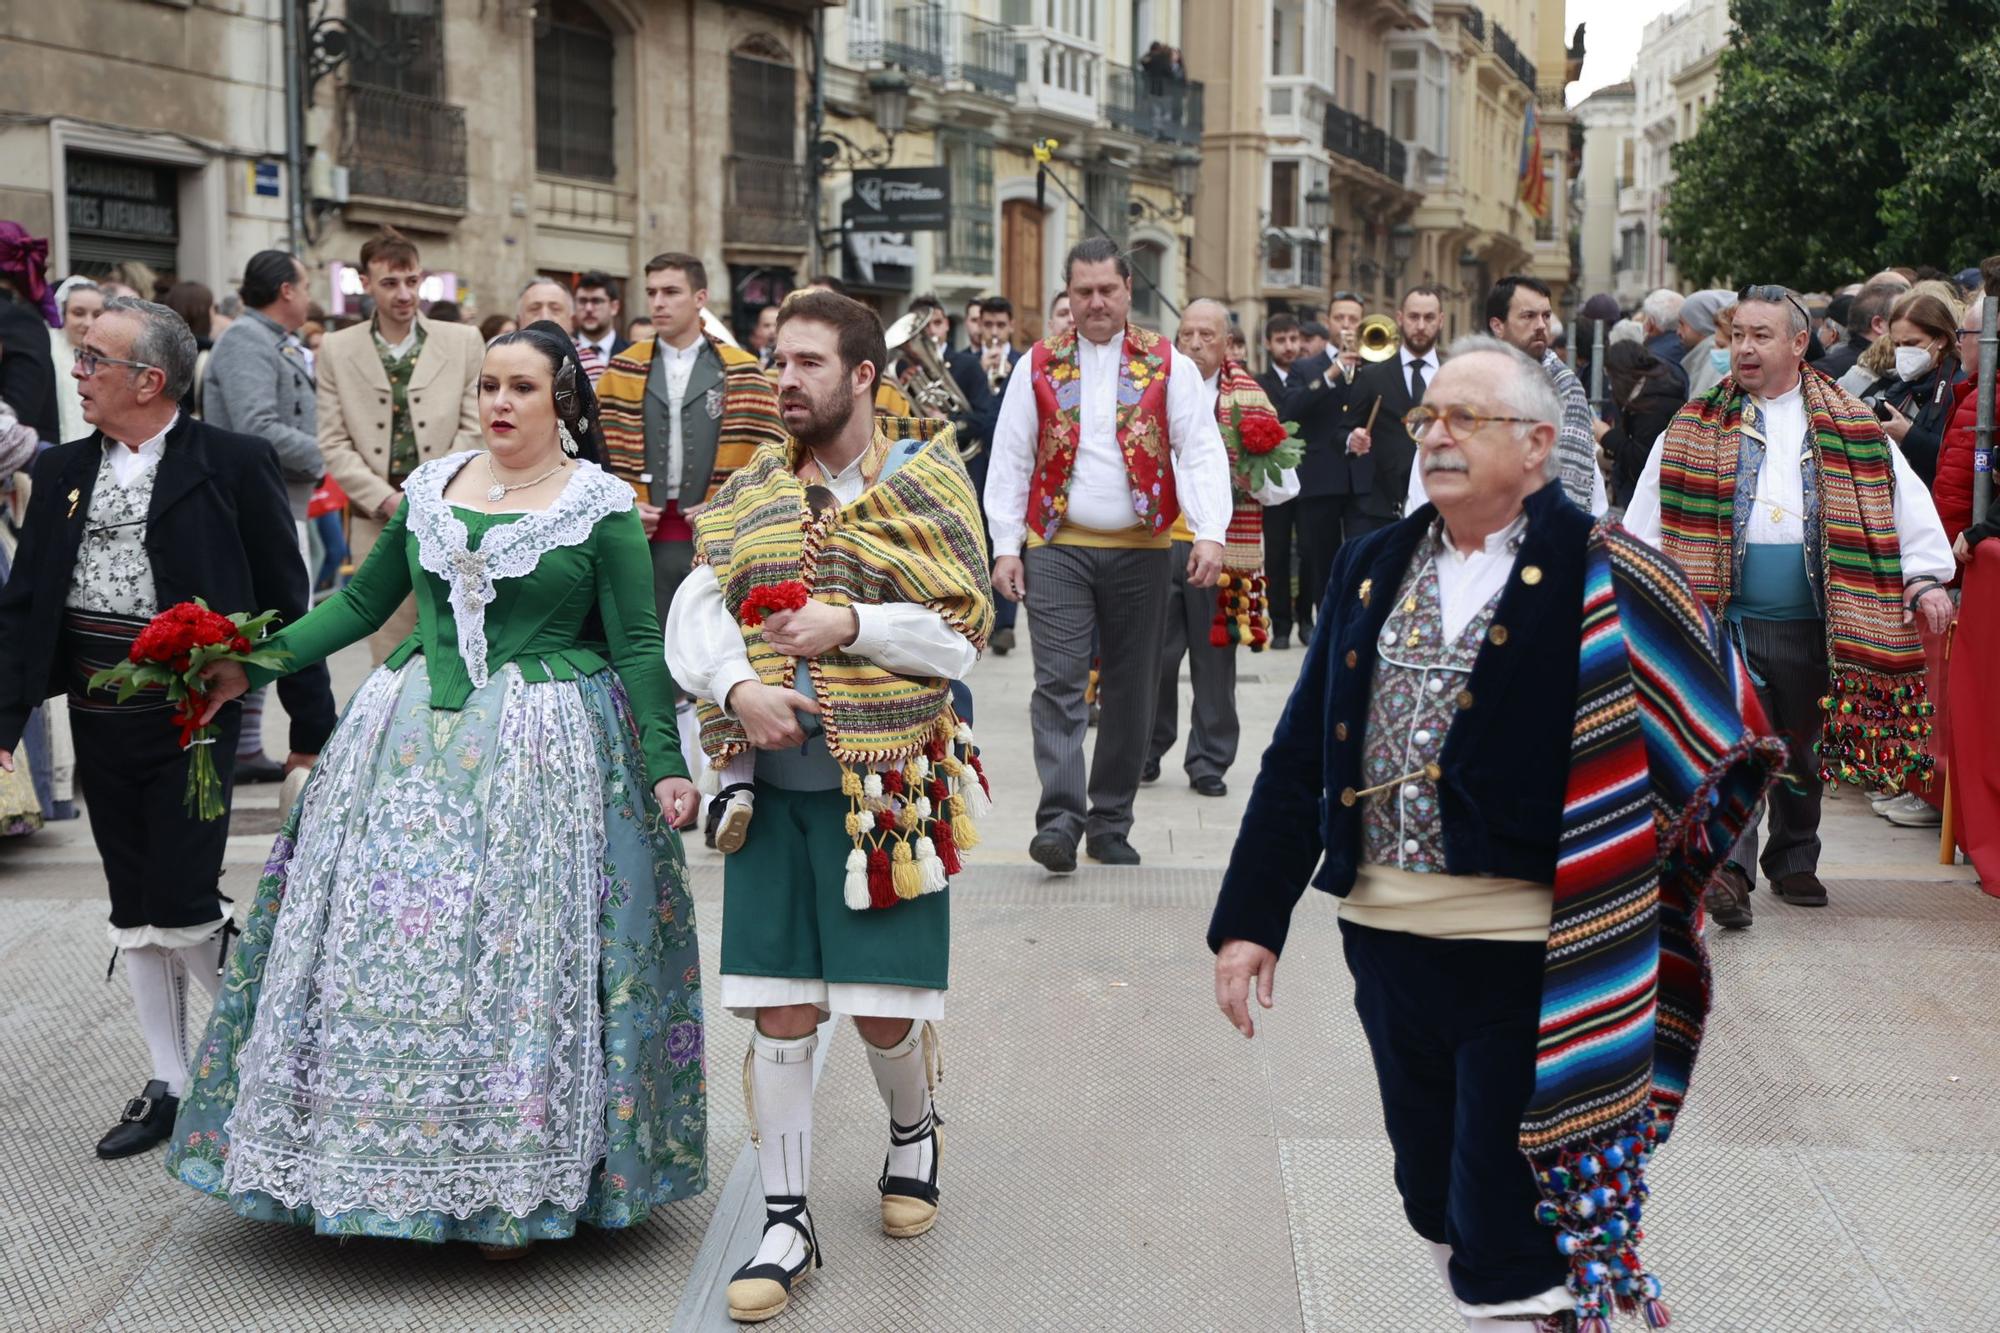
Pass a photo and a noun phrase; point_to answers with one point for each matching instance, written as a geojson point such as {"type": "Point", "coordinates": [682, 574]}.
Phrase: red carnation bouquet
{"type": "Point", "coordinates": [1264, 447]}
{"type": "Point", "coordinates": [768, 597]}
{"type": "Point", "coordinates": [170, 654]}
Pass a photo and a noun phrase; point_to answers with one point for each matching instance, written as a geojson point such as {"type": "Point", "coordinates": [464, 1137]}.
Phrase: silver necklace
{"type": "Point", "coordinates": [497, 492]}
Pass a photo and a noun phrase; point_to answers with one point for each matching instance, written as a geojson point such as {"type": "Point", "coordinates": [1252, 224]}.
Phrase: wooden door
{"type": "Point", "coordinates": [1021, 266]}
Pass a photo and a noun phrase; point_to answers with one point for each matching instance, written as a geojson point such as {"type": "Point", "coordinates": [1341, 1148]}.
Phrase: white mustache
{"type": "Point", "coordinates": [1445, 462]}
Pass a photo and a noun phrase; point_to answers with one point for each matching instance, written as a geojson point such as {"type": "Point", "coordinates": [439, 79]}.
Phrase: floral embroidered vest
{"type": "Point", "coordinates": [1141, 430]}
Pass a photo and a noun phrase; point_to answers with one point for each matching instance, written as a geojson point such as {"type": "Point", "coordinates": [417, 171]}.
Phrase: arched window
{"type": "Point", "coordinates": [574, 76]}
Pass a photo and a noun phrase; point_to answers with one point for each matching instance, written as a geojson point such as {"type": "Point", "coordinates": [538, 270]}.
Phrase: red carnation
{"type": "Point", "coordinates": [1261, 434]}
{"type": "Point", "coordinates": [765, 598]}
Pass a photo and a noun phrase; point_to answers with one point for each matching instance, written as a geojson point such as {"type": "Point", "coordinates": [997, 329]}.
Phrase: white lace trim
{"type": "Point", "coordinates": [508, 550]}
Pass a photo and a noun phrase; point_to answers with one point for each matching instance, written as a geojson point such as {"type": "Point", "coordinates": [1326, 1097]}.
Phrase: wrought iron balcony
{"type": "Point", "coordinates": [915, 39]}
{"type": "Point", "coordinates": [1474, 22]}
{"type": "Point", "coordinates": [1510, 55]}
{"type": "Point", "coordinates": [766, 203]}
{"type": "Point", "coordinates": [987, 56]}
{"type": "Point", "coordinates": [1353, 138]}
{"type": "Point", "coordinates": [1157, 106]}
{"type": "Point", "coordinates": [404, 147]}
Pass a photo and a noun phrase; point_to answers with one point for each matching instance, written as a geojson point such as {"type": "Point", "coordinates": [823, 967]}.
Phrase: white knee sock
{"type": "Point", "coordinates": [202, 962]}
{"type": "Point", "coordinates": [159, 994]}
{"type": "Point", "coordinates": [781, 1090]}
{"type": "Point", "coordinates": [1441, 1259]}
{"type": "Point", "coordinates": [903, 1078]}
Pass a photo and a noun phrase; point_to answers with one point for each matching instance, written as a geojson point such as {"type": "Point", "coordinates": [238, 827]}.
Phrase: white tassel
{"type": "Point", "coordinates": [924, 809]}
{"type": "Point", "coordinates": [855, 889]}
{"type": "Point", "coordinates": [923, 763]}
{"type": "Point", "coordinates": [871, 788]}
{"type": "Point", "coordinates": [977, 803]}
{"type": "Point", "coordinates": [964, 734]}
{"type": "Point", "coordinates": [931, 866]}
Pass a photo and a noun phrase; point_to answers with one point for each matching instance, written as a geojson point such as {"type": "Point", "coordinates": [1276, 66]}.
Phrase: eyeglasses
{"type": "Point", "coordinates": [1772, 293]}
{"type": "Point", "coordinates": [88, 361]}
{"type": "Point", "coordinates": [1459, 422]}
{"type": "Point", "coordinates": [1347, 296]}
{"type": "Point", "coordinates": [1968, 333]}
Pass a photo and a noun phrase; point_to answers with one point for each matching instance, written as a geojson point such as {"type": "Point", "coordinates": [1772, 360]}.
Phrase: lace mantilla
{"type": "Point", "coordinates": [508, 550]}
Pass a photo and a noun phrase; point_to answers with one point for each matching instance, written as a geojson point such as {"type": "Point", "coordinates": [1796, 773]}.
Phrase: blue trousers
{"type": "Point", "coordinates": [1452, 1025]}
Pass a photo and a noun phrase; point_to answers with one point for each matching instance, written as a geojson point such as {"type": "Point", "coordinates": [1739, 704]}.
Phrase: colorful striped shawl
{"type": "Point", "coordinates": [1242, 613]}
{"type": "Point", "coordinates": [1669, 757]}
{"type": "Point", "coordinates": [1875, 703]}
{"type": "Point", "coordinates": [749, 412]}
{"type": "Point", "coordinates": [915, 536]}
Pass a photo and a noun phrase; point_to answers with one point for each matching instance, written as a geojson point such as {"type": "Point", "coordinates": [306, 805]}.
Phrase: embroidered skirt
{"type": "Point", "coordinates": [467, 1003]}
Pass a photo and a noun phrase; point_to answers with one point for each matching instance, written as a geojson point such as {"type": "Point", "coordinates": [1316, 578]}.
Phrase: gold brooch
{"type": "Point", "coordinates": [73, 496]}
{"type": "Point", "coordinates": [1367, 585]}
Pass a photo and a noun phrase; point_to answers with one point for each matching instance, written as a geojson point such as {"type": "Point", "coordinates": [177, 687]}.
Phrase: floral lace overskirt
{"type": "Point", "coordinates": [467, 1002]}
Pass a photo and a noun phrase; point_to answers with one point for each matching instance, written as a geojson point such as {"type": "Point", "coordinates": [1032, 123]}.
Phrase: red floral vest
{"type": "Point", "coordinates": [1142, 430]}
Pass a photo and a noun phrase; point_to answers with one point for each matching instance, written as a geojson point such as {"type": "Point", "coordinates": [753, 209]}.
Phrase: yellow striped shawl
{"type": "Point", "coordinates": [749, 413]}
{"type": "Point", "coordinates": [915, 536]}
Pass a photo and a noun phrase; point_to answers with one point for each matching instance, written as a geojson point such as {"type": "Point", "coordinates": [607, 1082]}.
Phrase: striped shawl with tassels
{"type": "Point", "coordinates": [1241, 614]}
{"type": "Point", "coordinates": [749, 412]}
{"type": "Point", "coordinates": [1669, 757]}
{"type": "Point", "coordinates": [909, 768]}
{"type": "Point", "coordinates": [1875, 705]}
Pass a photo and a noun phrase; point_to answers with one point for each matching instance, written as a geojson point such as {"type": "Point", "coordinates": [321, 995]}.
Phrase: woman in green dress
{"type": "Point", "coordinates": [467, 1004]}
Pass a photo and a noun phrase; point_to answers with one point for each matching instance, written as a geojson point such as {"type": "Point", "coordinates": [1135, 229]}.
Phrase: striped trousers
{"type": "Point", "coordinates": [1120, 597]}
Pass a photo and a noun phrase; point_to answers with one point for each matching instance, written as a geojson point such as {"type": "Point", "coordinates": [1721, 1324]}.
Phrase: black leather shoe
{"type": "Point", "coordinates": [1281, 640]}
{"type": "Point", "coordinates": [148, 1120]}
{"type": "Point", "coordinates": [1112, 849]}
{"type": "Point", "coordinates": [1801, 889]}
{"type": "Point", "coordinates": [259, 769]}
{"type": "Point", "coordinates": [1151, 772]}
{"type": "Point", "coordinates": [1728, 899]}
{"type": "Point", "coordinates": [1209, 785]}
{"type": "Point", "coordinates": [1052, 851]}
{"type": "Point", "coordinates": [1002, 642]}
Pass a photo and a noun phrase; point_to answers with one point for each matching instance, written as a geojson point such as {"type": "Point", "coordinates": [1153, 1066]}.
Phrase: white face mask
{"type": "Point", "coordinates": [1912, 362]}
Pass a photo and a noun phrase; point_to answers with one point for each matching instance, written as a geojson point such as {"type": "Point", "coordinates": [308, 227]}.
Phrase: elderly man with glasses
{"type": "Point", "coordinates": [1470, 764]}
{"type": "Point", "coordinates": [1801, 526]}
{"type": "Point", "coordinates": [153, 509]}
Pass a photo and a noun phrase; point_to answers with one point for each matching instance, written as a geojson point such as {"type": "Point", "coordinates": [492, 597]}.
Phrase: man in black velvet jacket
{"type": "Point", "coordinates": [153, 509]}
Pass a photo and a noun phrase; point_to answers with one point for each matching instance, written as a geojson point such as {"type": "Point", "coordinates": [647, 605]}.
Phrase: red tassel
{"type": "Point", "coordinates": [881, 887]}
{"type": "Point", "coordinates": [947, 849]}
{"type": "Point", "coordinates": [972, 757]}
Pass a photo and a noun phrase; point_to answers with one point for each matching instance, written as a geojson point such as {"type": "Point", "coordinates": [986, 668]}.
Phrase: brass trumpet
{"type": "Point", "coordinates": [1379, 338]}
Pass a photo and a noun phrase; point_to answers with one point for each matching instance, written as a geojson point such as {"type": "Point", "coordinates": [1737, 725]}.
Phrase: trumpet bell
{"type": "Point", "coordinates": [933, 390]}
{"type": "Point", "coordinates": [1379, 338]}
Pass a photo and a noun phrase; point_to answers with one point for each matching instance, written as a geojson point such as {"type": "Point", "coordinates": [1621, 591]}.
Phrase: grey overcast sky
{"type": "Point", "coordinates": [1611, 40]}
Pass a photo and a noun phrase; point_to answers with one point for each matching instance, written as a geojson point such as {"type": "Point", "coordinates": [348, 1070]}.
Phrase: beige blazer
{"type": "Point", "coordinates": [354, 404]}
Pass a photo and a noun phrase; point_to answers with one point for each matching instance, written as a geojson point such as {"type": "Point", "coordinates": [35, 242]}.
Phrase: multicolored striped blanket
{"type": "Point", "coordinates": [1668, 759]}
{"type": "Point", "coordinates": [749, 413]}
{"type": "Point", "coordinates": [1875, 707]}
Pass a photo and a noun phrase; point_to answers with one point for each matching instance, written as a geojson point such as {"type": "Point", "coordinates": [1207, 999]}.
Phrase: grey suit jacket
{"type": "Point", "coordinates": [701, 428]}
{"type": "Point", "coordinates": [256, 387]}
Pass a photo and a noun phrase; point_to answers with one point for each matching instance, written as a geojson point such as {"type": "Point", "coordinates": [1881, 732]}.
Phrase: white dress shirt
{"type": "Point", "coordinates": [1779, 516]}
{"type": "Point", "coordinates": [603, 345]}
{"type": "Point", "coordinates": [129, 464]}
{"type": "Point", "coordinates": [705, 649]}
{"type": "Point", "coordinates": [1286, 487]}
{"type": "Point", "coordinates": [678, 365]}
{"type": "Point", "coordinates": [1467, 582]}
{"type": "Point", "coordinates": [1100, 491]}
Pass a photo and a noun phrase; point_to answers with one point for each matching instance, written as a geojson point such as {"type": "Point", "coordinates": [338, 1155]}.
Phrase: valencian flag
{"type": "Point", "coordinates": [1532, 182]}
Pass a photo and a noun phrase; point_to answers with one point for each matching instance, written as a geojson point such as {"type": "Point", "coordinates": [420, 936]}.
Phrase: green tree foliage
{"type": "Point", "coordinates": [1847, 135]}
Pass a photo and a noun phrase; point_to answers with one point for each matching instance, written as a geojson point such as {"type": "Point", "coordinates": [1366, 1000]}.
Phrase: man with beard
{"type": "Point", "coordinates": [865, 780]}
{"type": "Point", "coordinates": [1382, 392]}
{"type": "Point", "coordinates": [1520, 314]}
{"type": "Point", "coordinates": [1281, 521]}
{"type": "Point", "coordinates": [597, 311]}
{"type": "Point", "coordinates": [1101, 443]}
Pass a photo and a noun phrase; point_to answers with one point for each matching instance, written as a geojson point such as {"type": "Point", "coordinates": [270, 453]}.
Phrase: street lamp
{"type": "Point", "coordinates": [1402, 244]}
{"type": "Point", "coordinates": [889, 99]}
{"type": "Point", "coordinates": [889, 91]}
{"type": "Point", "coordinates": [1319, 208]}
{"type": "Point", "coordinates": [1187, 176]}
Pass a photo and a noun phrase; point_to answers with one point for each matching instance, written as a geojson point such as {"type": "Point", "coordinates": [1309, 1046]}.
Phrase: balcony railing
{"type": "Point", "coordinates": [1060, 73]}
{"type": "Point", "coordinates": [1510, 55]}
{"type": "Point", "coordinates": [404, 147]}
{"type": "Point", "coordinates": [914, 39]}
{"type": "Point", "coordinates": [1157, 106]}
{"type": "Point", "coordinates": [986, 56]}
{"type": "Point", "coordinates": [1353, 138]}
{"type": "Point", "coordinates": [1473, 20]}
{"type": "Point", "coordinates": [766, 202]}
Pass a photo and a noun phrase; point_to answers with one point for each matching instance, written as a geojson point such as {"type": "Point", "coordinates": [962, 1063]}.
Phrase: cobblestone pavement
{"type": "Point", "coordinates": [1115, 1156]}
